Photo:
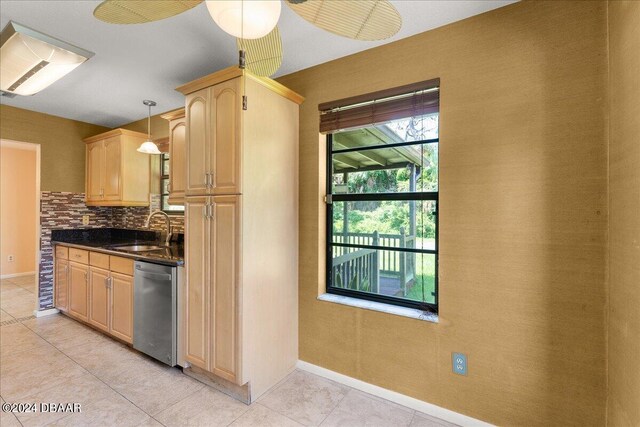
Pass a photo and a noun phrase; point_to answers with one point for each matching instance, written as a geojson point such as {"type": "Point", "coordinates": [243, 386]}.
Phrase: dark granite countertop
{"type": "Point", "coordinates": [109, 240]}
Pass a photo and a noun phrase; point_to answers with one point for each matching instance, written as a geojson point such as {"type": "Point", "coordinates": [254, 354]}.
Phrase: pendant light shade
{"type": "Point", "coordinates": [245, 19]}
{"type": "Point", "coordinates": [149, 147]}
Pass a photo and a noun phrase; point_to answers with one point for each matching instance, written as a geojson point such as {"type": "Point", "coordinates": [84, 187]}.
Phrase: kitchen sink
{"type": "Point", "coordinates": [140, 248]}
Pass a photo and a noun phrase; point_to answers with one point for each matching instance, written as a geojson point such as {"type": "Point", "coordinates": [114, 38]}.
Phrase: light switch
{"type": "Point", "coordinates": [85, 219]}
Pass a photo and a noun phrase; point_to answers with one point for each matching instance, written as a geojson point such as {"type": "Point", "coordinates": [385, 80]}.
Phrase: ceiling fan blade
{"type": "Point", "coordinates": [141, 11]}
{"type": "Point", "coordinates": [263, 55]}
{"type": "Point", "coordinates": [356, 19]}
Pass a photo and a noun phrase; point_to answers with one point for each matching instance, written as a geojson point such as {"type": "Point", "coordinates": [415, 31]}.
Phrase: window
{"type": "Point", "coordinates": [164, 186]}
{"type": "Point", "coordinates": [382, 214]}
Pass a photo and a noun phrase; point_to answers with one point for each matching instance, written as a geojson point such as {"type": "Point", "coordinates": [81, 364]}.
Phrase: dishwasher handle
{"type": "Point", "coordinates": [148, 275]}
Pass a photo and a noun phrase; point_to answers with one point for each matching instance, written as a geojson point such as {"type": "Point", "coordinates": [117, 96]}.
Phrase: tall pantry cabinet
{"type": "Point", "coordinates": [241, 231]}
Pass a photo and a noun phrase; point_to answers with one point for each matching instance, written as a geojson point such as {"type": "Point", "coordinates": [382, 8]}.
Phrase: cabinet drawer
{"type": "Point", "coordinates": [121, 265]}
{"type": "Point", "coordinates": [62, 252]}
{"type": "Point", "coordinates": [98, 259]}
{"type": "Point", "coordinates": [79, 255]}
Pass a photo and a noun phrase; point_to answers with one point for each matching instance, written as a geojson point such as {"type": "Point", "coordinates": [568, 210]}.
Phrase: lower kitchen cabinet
{"type": "Point", "coordinates": [223, 276]}
{"type": "Point", "coordinates": [62, 284]}
{"type": "Point", "coordinates": [99, 298]}
{"type": "Point", "coordinates": [100, 294]}
{"type": "Point", "coordinates": [122, 306]}
{"type": "Point", "coordinates": [212, 285]}
{"type": "Point", "coordinates": [196, 345]}
{"type": "Point", "coordinates": [79, 290]}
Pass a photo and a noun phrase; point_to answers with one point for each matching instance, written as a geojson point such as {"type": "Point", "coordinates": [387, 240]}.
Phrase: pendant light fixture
{"type": "Point", "coordinates": [149, 147]}
{"type": "Point", "coordinates": [245, 19]}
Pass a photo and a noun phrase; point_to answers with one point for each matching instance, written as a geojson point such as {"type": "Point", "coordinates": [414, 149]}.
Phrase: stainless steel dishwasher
{"type": "Point", "coordinates": [155, 311]}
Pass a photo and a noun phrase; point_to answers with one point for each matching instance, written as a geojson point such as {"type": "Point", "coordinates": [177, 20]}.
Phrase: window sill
{"type": "Point", "coordinates": [412, 313]}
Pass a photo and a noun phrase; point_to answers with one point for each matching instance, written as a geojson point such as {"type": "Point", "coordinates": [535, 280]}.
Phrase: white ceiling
{"type": "Point", "coordinates": [147, 61]}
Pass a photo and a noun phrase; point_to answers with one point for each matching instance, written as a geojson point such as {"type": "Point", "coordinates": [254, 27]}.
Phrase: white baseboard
{"type": "Point", "coordinates": [9, 276]}
{"type": "Point", "coordinates": [47, 312]}
{"type": "Point", "coordinates": [395, 397]}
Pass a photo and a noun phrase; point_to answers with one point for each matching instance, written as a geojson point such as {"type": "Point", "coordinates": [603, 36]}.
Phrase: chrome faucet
{"type": "Point", "coordinates": [167, 222]}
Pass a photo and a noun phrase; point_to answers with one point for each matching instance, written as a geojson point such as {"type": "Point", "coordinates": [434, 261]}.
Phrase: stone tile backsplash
{"type": "Point", "coordinates": [135, 217]}
{"type": "Point", "coordinates": [65, 210]}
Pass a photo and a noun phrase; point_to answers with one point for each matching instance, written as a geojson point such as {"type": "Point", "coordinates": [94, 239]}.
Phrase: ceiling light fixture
{"type": "Point", "coordinates": [149, 147]}
{"type": "Point", "coordinates": [30, 61]}
{"type": "Point", "coordinates": [245, 19]}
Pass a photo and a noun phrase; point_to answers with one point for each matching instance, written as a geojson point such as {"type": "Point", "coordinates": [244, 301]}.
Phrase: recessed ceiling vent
{"type": "Point", "coordinates": [30, 61]}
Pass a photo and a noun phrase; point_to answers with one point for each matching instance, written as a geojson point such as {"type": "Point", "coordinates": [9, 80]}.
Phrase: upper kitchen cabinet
{"type": "Point", "coordinates": [116, 174]}
{"type": "Point", "coordinates": [177, 153]}
{"type": "Point", "coordinates": [213, 154]}
{"type": "Point", "coordinates": [217, 129]}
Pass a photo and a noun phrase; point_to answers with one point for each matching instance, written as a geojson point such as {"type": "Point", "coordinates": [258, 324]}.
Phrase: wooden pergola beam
{"type": "Point", "coordinates": [347, 161]}
{"type": "Point", "coordinates": [376, 158]}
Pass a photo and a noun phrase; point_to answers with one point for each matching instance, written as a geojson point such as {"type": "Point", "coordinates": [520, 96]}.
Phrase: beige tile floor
{"type": "Point", "coordinates": [56, 359]}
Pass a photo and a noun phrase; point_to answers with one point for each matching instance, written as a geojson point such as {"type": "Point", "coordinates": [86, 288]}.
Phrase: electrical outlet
{"type": "Point", "coordinates": [10, 258]}
{"type": "Point", "coordinates": [459, 362]}
{"type": "Point", "coordinates": [85, 219]}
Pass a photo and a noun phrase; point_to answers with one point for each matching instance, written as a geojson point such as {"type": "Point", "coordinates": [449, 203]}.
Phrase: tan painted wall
{"type": "Point", "coordinates": [523, 218]}
{"type": "Point", "coordinates": [624, 213]}
{"type": "Point", "coordinates": [62, 149]}
{"type": "Point", "coordinates": [159, 126]}
{"type": "Point", "coordinates": [18, 194]}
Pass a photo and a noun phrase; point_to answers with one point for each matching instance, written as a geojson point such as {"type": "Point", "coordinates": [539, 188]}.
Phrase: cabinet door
{"type": "Point", "coordinates": [122, 306]}
{"type": "Point", "coordinates": [95, 171]}
{"type": "Point", "coordinates": [225, 152]}
{"type": "Point", "coordinates": [99, 298]}
{"type": "Point", "coordinates": [197, 283]}
{"type": "Point", "coordinates": [177, 161]}
{"type": "Point", "coordinates": [224, 303]}
{"type": "Point", "coordinates": [79, 290]}
{"type": "Point", "coordinates": [62, 284]}
{"type": "Point", "coordinates": [112, 189]}
{"type": "Point", "coordinates": [197, 138]}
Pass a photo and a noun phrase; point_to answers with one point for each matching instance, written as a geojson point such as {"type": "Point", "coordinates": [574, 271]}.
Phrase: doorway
{"type": "Point", "coordinates": [19, 228]}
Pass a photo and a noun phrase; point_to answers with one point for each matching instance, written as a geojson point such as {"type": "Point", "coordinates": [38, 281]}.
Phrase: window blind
{"type": "Point", "coordinates": [416, 99]}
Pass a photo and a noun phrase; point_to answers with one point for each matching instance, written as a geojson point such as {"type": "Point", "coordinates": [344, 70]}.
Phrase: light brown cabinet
{"type": "Point", "coordinates": [223, 275]}
{"type": "Point", "coordinates": [99, 298]}
{"type": "Point", "coordinates": [197, 284]}
{"type": "Point", "coordinates": [116, 174]}
{"type": "Point", "coordinates": [62, 284]}
{"type": "Point", "coordinates": [197, 119]}
{"type": "Point", "coordinates": [241, 233]}
{"type": "Point", "coordinates": [79, 290]}
{"type": "Point", "coordinates": [95, 170]}
{"type": "Point", "coordinates": [96, 288]}
{"type": "Point", "coordinates": [121, 288]}
{"type": "Point", "coordinates": [212, 284]}
{"type": "Point", "coordinates": [213, 131]}
{"type": "Point", "coordinates": [177, 156]}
